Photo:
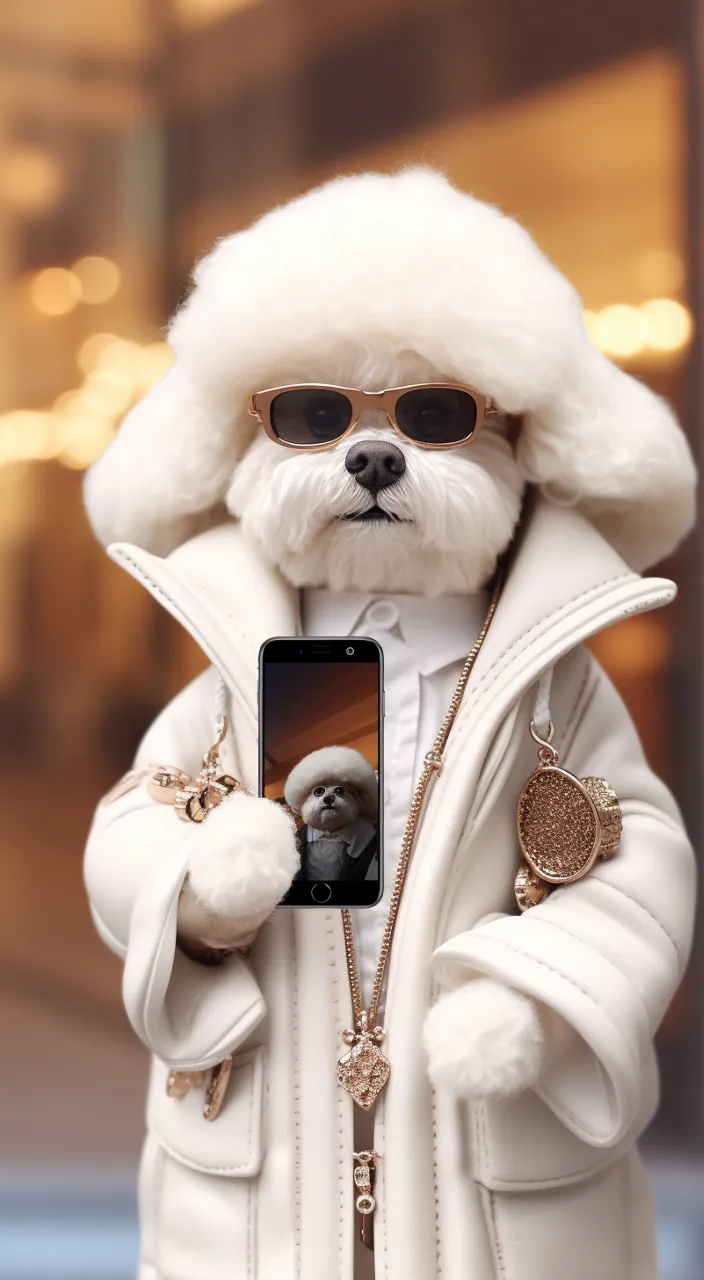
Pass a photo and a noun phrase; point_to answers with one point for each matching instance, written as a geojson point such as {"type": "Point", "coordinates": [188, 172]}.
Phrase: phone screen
{"type": "Point", "coordinates": [320, 752]}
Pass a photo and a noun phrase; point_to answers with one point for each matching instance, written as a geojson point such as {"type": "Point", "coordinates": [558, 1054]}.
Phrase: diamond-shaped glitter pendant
{"type": "Point", "coordinates": [363, 1070]}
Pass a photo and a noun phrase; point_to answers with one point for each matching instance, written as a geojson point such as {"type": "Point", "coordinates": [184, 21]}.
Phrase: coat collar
{"type": "Point", "coordinates": [560, 567]}
{"type": "Point", "coordinates": [231, 600]}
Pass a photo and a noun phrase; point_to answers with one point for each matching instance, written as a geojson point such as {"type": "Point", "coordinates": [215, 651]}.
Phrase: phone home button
{"type": "Point", "coordinates": [321, 893]}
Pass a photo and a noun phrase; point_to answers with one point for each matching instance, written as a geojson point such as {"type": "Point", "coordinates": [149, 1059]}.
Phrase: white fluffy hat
{"type": "Point", "coordinates": [397, 263]}
{"type": "Point", "coordinates": [329, 766]}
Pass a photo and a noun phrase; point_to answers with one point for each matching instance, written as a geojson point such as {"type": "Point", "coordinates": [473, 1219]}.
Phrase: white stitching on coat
{"type": "Point", "coordinates": [622, 893]}
{"type": "Point", "coordinates": [514, 951]}
{"type": "Point", "coordinates": [341, 1180]}
{"type": "Point", "coordinates": [296, 1100]}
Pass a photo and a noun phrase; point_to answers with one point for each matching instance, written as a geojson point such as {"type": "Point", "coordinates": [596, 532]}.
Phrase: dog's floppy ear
{"type": "Point", "coordinates": [609, 444]}
{"type": "Point", "coordinates": [168, 467]}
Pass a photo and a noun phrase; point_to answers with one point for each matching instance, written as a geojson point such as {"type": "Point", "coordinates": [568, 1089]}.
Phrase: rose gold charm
{"type": "Point", "coordinates": [564, 825]}
{"type": "Point", "coordinates": [529, 888]}
{"type": "Point", "coordinates": [365, 1204]}
{"type": "Point", "coordinates": [364, 1070]}
{"type": "Point", "coordinates": [180, 1082]}
{"type": "Point", "coordinates": [164, 781]}
{"type": "Point", "coordinates": [194, 801]}
{"type": "Point", "coordinates": [217, 1088]}
{"type": "Point", "coordinates": [197, 797]}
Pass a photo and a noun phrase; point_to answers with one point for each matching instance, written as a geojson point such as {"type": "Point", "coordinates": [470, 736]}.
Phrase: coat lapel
{"type": "Point", "coordinates": [565, 582]}
{"type": "Point", "coordinates": [225, 595]}
{"type": "Point", "coordinates": [560, 562]}
{"type": "Point", "coordinates": [230, 601]}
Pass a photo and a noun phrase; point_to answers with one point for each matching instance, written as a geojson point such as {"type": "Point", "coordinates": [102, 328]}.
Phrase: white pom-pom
{"type": "Point", "coordinates": [243, 857]}
{"type": "Point", "coordinates": [483, 1039]}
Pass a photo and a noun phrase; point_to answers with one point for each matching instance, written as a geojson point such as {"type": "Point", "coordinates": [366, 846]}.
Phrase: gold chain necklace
{"type": "Point", "coordinates": [364, 1070]}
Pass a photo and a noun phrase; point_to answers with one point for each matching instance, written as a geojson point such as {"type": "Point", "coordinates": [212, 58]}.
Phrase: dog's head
{"type": "Point", "coordinates": [373, 282]}
{"type": "Point", "coordinates": [333, 787]}
{"type": "Point", "coordinates": [330, 807]}
{"type": "Point", "coordinates": [376, 511]}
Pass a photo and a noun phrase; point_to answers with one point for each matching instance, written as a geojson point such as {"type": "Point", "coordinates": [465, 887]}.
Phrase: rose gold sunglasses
{"type": "Point", "coordinates": [434, 415]}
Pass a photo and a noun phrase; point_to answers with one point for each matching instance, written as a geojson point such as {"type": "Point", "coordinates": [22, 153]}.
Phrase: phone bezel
{"type": "Point", "coordinates": [307, 649]}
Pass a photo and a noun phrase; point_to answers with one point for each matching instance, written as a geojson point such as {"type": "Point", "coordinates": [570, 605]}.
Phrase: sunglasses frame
{"type": "Point", "coordinates": [260, 403]}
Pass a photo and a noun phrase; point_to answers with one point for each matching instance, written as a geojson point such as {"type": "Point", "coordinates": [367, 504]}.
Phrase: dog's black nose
{"type": "Point", "coordinates": [375, 464]}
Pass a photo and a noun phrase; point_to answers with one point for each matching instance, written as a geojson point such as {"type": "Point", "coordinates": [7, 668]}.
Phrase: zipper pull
{"type": "Point", "coordinates": [179, 1083]}
{"type": "Point", "coordinates": [365, 1204]}
{"type": "Point", "coordinates": [217, 1088]}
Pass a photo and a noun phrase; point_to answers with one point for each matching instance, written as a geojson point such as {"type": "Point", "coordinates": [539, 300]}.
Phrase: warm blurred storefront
{"type": "Point", "coordinates": [134, 133]}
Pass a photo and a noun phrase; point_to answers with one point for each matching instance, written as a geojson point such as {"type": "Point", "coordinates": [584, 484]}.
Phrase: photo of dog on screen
{"type": "Point", "coordinates": [321, 734]}
{"type": "Point", "coordinates": [335, 792]}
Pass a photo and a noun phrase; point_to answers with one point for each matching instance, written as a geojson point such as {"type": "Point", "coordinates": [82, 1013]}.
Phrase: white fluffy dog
{"type": "Point", "coordinates": [374, 282]}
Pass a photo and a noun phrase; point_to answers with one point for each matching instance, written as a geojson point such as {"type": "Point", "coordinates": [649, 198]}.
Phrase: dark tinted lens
{"type": "Point", "coordinates": [310, 416]}
{"type": "Point", "coordinates": [437, 415]}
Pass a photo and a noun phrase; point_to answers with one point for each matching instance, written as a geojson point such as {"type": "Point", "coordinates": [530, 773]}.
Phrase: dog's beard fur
{"type": "Point", "coordinates": [316, 815]}
{"type": "Point", "coordinates": [453, 511]}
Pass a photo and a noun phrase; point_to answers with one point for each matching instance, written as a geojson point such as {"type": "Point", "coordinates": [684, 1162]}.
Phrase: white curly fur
{"type": "Point", "coordinates": [243, 858]}
{"type": "Point", "coordinates": [484, 1039]}
{"type": "Point", "coordinates": [330, 765]}
{"type": "Point", "coordinates": [387, 270]}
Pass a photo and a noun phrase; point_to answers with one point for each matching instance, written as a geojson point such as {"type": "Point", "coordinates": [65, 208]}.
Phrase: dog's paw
{"type": "Point", "coordinates": [243, 859]}
{"type": "Point", "coordinates": [483, 1039]}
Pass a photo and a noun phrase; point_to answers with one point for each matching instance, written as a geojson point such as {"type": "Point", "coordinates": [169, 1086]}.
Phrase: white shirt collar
{"type": "Point", "coordinates": [438, 631]}
{"type": "Point", "coordinates": [331, 613]}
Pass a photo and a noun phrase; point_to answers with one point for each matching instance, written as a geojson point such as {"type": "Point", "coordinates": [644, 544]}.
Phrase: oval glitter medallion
{"type": "Point", "coordinates": [558, 825]}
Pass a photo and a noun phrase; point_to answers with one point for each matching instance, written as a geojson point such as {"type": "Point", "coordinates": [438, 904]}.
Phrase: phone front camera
{"type": "Point", "coordinates": [349, 651]}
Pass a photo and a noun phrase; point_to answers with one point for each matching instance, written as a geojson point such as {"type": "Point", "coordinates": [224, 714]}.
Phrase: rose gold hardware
{"type": "Point", "coordinates": [180, 1082]}
{"type": "Point", "coordinates": [365, 1204]}
{"type": "Point", "coordinates": [217, 1088]}
{"type": "Point", "coordinates": [565, 824]}
{"type": "Point", "coordinates": [529, 888]}
{"type": "Point", "coordinates": [164, 781]}
{"type": "Point", "coordinates": [364, 1070]}
{"type": "Point", "coordinates": [197, 797]}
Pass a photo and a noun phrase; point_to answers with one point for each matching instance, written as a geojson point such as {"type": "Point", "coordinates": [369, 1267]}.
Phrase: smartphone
{"type": "Point", "coordinates": [320, 755]}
